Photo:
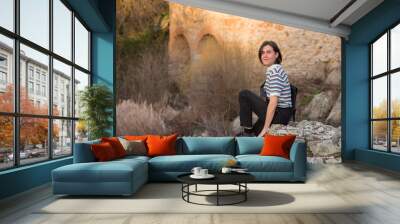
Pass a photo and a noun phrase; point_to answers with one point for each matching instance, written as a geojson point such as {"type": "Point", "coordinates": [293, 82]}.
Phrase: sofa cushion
{"type": "Point", "coordinates": [116, 145]}
{"type": "Point", "coordinates": [111, 171]}
{"type": "Point", "coordinates": [249, 145]}
{"type": "Point", "coordinates": [161, 145]}
{"type": "Point", "coordinates": [103, 152]}
{"type": "Point", "coordinates": [257, 163]}
{"type": "Point", "coordinates": [206, 145]}
{"type": "Point", "coordinates": [185, 163]}
{"type": "Point", "coordinates": [134, 147]}
{"type": "Point", "coordinates": [277, 145]}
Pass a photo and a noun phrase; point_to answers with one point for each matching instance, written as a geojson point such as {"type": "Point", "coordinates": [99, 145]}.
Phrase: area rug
{"type": "Point", "coordinates": [166, 198]}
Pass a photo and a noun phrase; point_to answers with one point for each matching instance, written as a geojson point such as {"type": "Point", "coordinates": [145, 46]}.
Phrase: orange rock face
{"type": "Point", "coordinates": [306, 54]}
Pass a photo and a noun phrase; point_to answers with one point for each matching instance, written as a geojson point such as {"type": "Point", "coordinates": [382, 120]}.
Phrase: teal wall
{"type": "Point", "coordinates": [356, 86]}
{"type": "Point", "coordinates": [103, 52]}
{"type": "Point", "coordinates": [24, 178]}
{"type": "Point", "coordinates": [99, 15]}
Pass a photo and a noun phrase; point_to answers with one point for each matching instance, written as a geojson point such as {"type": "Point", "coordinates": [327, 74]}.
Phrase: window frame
{"type": "Point", "coordinates": [388, 74]}
{"type": "Point", "coordinates": [16, 114]}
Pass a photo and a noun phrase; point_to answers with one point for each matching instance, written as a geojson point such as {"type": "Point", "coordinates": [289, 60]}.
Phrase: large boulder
{"type": "Point", "coordinates": [320, 106]}
{"type": "Point", "coordinates": [323, 141]}
{"type": "Point", "coordinates": [333, 78]}
{"type": "Point", "coordinates": [317, 72]}
{"type": "Point", "coordinates": [334, 117]}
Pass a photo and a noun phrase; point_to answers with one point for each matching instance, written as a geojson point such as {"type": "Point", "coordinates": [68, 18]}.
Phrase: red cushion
{"type": "Point", "coordinates": [277, 145]}
{"type": "Point", "coordinates": [161, 145]}
{"type": "Point", "coordinates": [103, 151]}
{"type": "Point", "coordinates": [116, 145]}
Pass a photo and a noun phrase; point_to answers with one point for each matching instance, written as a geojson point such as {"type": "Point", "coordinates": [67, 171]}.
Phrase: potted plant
{"type": "Point", "coordinates": [96, 102]}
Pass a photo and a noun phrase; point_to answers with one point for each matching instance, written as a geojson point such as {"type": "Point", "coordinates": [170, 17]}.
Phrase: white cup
{"type": "Point", "coordinates": [196, 171]}
{"type": "Point", "coordinates": [203, 172]}
{"type": "Point", "coordinates": [226, 170]}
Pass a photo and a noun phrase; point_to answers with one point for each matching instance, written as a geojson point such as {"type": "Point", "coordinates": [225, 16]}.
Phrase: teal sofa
{"type": "Point", "coordinates": [125, 176]}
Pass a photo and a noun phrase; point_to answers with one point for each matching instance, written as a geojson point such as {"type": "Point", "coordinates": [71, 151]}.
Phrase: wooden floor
{"type": "Point", "coordinates": [377, 188]}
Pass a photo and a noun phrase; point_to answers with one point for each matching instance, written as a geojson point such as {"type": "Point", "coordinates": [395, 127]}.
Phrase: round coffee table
{"type": "Point", "coordinates": [238, 179]}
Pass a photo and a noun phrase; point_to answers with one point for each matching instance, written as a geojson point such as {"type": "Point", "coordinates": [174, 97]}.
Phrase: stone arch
{"type": "Point", "coordinates": [179, 60]}
{"type": "Point", "coordinates": [208, 46]}
{"type": "Point", "coordinates": [180, 55]}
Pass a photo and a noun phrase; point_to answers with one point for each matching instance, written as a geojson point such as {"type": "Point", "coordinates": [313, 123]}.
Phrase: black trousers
{"type": "Point", "coordinates": [250, 102]}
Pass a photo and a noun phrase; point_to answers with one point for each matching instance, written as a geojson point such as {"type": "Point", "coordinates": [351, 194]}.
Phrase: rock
{"type": "Point", "coordinates": [235, 124]}
{"type": "Point", "coordinates": [323, 141]}
{"type": "Point", "coordinates": [334, 117]}
{"type": "Point", "coordinates": [323, 148]}
{"type": "Point", "coordinates": [317, 72]}
{"type": "Point", "coordinates": [320, 105]}
{"type": "Point", "coordinates": [333, 78]}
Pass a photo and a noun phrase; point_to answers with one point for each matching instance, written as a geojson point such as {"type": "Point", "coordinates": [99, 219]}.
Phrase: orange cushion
{"type": "Point", "coordinates": [277, 145]}
{"type": "Point", "coordinates": [116, 145]}
{"type": "Point", "coordinates": [103, 151]}
{"type": "Point", "coordinates": [161, 145]}
{"type": "Point", "coordinates": [135, 137]}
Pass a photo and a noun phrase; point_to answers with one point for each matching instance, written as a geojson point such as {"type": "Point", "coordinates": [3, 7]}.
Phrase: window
{"type": "Point", "coordinates": [30, 72]}
{"type": "Point", "coordinates": [30, 87]}
{"type": "Point", "coordinates": [34, 21]}
{"type": "Point", "coordinates": [62, 29]}
{"type": "Point", "coordinates": [3, 61]}
{"type": "Point", "coordinates": [7, 14]}
{"type": "Point", "coordinates": [44, 91]}
{"type": "Point", "coordinates": [3, 78]}
{"type": "Point", "coordinates": [37, 89]}
{"type": "Point", "coordinates": [54, 126]}
{"type": "Point", "coordinates": [62, 74]}
{"type": "Point", "coordinates": [43, 77]}
{"type": "Point", "coordinates": [6, 73]}
{"type": "Point", "coordinates": [7, 143]}
{"type": "Point", "coordinates": [62, 140]}
{"type": "Point", "coordinates": [37, 74]}
{"type": "Point", "coordinates": [81, 45]}
{"type": "Point", "coordinates": [3, 72]}
{"type": "Point", "coordinates": [385, 94]}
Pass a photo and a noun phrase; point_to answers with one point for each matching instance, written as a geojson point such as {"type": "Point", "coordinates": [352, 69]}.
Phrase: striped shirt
{"type": "Point", "coordinates": [277, 84]}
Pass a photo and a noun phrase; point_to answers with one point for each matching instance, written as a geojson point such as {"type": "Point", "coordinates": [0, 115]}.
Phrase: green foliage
{"type": "Point", "coordinates": [154, 34]}
{"type": "Point", "coordinates": [97, 104]}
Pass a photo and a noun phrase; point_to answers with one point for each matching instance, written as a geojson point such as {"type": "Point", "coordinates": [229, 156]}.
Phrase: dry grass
{"type": "Point", "coordinates": [143, 118]}
{"type": "Point", "coordinates": [215, 81]}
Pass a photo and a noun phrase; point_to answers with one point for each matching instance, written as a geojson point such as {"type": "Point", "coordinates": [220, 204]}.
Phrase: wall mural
{"type": "Point", "coordinates": [180, 69]}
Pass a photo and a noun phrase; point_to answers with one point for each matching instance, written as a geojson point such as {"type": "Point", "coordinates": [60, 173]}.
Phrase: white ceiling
{"type": "Point", "coordinates": [315, 15]}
